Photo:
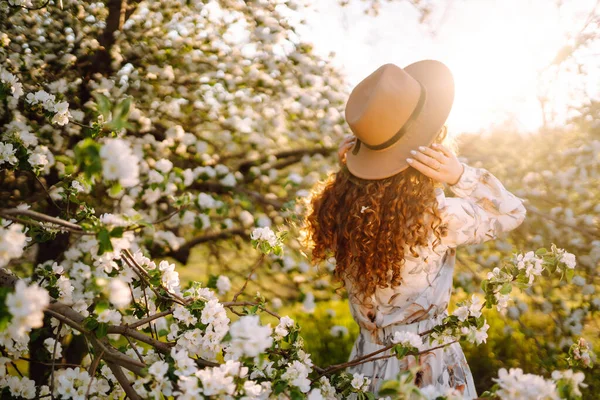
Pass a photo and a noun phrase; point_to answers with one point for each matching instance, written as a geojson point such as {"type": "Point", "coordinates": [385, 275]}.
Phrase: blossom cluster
{"type": "Point", "coordinates": [12, 243]}
{"type": "Point", "coordinates": [183, 136]}
{"type": "Point", "coordinates": [58, 109]}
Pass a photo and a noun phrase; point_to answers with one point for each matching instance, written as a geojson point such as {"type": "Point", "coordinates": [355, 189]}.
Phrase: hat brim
{"type": "Point", "coordinates": [438, 82]}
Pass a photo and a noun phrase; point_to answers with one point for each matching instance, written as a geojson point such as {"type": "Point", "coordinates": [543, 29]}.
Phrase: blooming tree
{"type": "Point", "coordinates": [136, 131]}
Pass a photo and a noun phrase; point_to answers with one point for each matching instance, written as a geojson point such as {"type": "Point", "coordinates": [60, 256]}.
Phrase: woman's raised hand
{"type": "Point", "coordinates": [345, 145]}
{"type": "Point", "coordinates": [437, 162]}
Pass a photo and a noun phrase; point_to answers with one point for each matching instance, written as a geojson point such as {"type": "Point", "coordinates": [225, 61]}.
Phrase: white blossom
{"type": "Point", "coordinates": [360, 382]}
{"type": "Point", "coordinates": [110, 316]}
{"type": "Point", "coordinates": [248, 337]}
{"type": "Point", "coordinates": [265, 234]}
{"type": "Point", "coordinates": [514, 384]}
{"type": "Point", "coordinates": [16, 88]}
{"type": "Point", "coordinates": [170, 277]}
{"type": "Point", "coordinates": [183, 315]}
{"type": "Point", "coordinates": [568, 259]}
{"type": "Point", "coordinates": [406, 338]}
{"type": "Point", "coordinates": [246, 218]}
{"type": "Point", "coordinates": [20, 387]}
{"type": "Point", "coordinates": [164, 165]}
{"type": "Point", "coordinates": [119, 293]}
{"type": "Point", "coordinates": [297, 374]}
{"type": "Point", "coordinates": [223, 284]}
{"type": "Point", "coordinates": [7, 154]}
{"type": "Point", "coordinates": [50, 344]}
{"type": "Point", "coordinates": [462, 313]}
{"type": "Point", "coordinates": [309, 304]}
{"type": "Point", "coordinates": [338, 331]}
{"type": "Point", "coordinates": [282, 329]}
{"type": "Point", "coordinates": [71, 383]}
{"type": "Point", "coordinates": [12, 243]}
{"type": "Point", "coordinates": [26, 305]}
{"type": "Point", "coordinates": [575, 379]}
{"type": "Point", "coordinates": [119, 163]}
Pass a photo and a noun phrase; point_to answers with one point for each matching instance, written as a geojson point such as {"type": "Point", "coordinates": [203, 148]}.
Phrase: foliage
{"type": "Point", "coordinates": [137, 131]}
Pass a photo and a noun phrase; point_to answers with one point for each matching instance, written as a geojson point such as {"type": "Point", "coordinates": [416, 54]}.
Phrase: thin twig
{"type": "Point", "coordinates": [123, 381]}
{"type": "Point", "coordinates": [43, 225]}
{"type": "Point", "coordinates": [256, 265]}
{"type": "Point", "coordinates": [150, 318]}
{"type": "Point", "coordinates": [62, 365]}
{"type": "Point", "coordinates": [46, 190]}
{"type": "Point", "coordinates": [179, 299]}
{"type": "Point", "coordinates": [370, 358]}
{"type": "Point", "coordinates": [143, 275]}
{"type": "Point", "coordinates": [60, 324]}
{"type": "Point", "coordinates": [231, 304]}
{"type": "Point", "coordinates": [41, 217]}
{"type": "Point", "coordinates": [92, 372]}
{"type": "Point", "coordinates": [134, 347]}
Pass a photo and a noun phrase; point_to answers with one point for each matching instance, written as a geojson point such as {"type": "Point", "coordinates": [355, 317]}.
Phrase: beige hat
{"type": "Point", "coordinates": [394, 111]}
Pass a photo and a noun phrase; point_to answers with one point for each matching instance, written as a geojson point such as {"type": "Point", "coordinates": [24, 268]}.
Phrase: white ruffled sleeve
{"type": "Point", "coordinates": [482, 209]}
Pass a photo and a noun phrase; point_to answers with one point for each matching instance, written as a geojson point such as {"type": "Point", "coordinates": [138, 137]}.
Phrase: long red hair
{"type": "Point", "coordinates": [370, 225]}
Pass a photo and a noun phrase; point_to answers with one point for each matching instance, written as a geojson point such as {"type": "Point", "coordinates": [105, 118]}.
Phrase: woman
{"type": "Point", "coordinates": [386, 220]}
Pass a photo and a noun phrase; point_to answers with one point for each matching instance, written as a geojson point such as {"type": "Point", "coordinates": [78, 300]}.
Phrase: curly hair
{"type": "Point", "coordinates": [369, 225]}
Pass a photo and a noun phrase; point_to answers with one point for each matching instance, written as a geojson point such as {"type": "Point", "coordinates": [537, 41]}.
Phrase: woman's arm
{"type": "Point", "coordinates": [483, 207]}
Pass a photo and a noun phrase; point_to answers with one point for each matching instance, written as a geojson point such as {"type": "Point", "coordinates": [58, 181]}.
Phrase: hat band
{"type": "Point", "coordinates": [402, 131]}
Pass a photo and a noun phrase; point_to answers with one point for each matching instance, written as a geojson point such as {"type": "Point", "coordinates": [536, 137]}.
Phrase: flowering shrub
{"type": "Point", "coordinates": [133, 134]}
{"type": "Point", "coordinates": [190, 347]}
{"type": "Point", "coordinates": [561, 200]}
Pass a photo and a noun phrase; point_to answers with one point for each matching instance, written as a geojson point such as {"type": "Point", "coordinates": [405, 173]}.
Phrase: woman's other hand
{"type": "Point", "coordinates": [345, 145]}
{"type": "Point", "coordinates": [437, 162]}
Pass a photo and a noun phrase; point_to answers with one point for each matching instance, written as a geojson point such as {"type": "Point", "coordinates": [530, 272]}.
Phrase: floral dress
{"type": "Point", "coordinates": [481, 210]}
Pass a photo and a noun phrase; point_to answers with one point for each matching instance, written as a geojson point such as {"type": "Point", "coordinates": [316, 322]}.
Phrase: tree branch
{"type": "Point", "coordinates": [13, 213]}
{"type": "Point", "coordinates": [123, 381]}
{"type": "Point", "coordinates": [182, 254]}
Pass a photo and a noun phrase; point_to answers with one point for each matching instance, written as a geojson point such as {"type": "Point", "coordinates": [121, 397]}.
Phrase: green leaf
{"type": "Point", "coordinates": [212, 281]}
{"type": "Point", "coordinates": [87, 157]}
{"type": "Point", "coordinates": [90, 323]}
{"type": "Point", "coordinates": [104, 105]}
{"type": "Point", "coordinates": [569, 273]}
{"type": "Point", "coordinates": [101, 330]}
{"type": "Point", "coordinates": [117, 232]}
{"type": "Point", "coordinates": [115, 189]}
{"type": "Point", "coordinates": [484, 285]}
{"type": "Point", "coordinates": [400, 351]}
{"type": "Point", "coordinates": [120, 115]}
{"type": "Point", "coordinates": [389, 388]}
{"type": "Point", "coordinates": [541, 252]}
{"type": "Point", "coordinates": [104, 242]}
{"type": "Point", "coordinates": [279, 387]}
{"type": "Point", "coordinates": [506, 288]}
{"type": "Point", "coordinates": [296, 394]}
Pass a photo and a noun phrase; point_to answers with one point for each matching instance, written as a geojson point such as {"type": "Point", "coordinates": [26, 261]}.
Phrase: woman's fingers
{"type": "Point", "coordinates": [346, 145]}
{"type": "Point", "coordinates": [423, 168]}
{"type": "Point", "coordinates": [438, 155]}
{"type": "Point", "coordinates": [427, 160]}
{"type": "Point", "coordinates": [443, 149]}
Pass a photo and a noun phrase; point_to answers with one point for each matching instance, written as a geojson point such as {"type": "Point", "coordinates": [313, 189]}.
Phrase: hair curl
{"type": "Point", "coordinates": [369, 225]}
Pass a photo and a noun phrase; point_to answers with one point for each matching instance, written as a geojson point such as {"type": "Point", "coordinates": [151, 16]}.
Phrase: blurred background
{"type": "Point", "coordinates": [246, 99]}
{"type": "Point", "coordinates": [522, 62]}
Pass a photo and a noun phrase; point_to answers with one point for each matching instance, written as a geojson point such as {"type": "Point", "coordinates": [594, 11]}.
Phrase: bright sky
{"type": "Point", "coordinates": [494, 48]}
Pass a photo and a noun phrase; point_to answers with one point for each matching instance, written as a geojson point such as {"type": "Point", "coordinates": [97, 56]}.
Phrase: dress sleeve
{"type": "Point", "coordinates": [482, 209]}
